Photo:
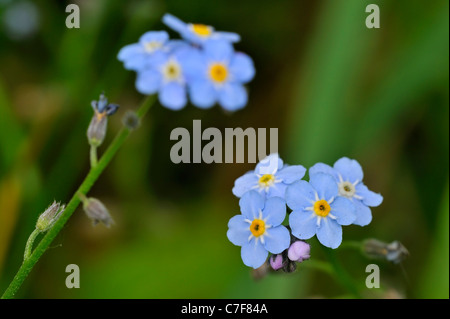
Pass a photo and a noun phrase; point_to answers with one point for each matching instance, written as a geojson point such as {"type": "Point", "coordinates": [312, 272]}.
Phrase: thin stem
{"type": "Point", "coordinates": [93, 156]}
{"type": "Point", "coordinates": [85, 186]}
{"type": "Point", "coordinates": [29, 245]}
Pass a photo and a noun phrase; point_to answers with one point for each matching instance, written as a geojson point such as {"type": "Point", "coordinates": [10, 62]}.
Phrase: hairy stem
{"type": "Point", "coordinates": [29, 245]}
{"type": "Point", "coordinates": [85, 186]}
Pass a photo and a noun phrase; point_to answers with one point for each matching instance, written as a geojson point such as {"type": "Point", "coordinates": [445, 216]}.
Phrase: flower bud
{"type": "Point", "coordinates": [299, 251]}
{"type": "Point", "coordinates": [130, 120]}
{"type": "Point", "coordinates": [276, 262]}
{"type": "Point", "coordinates": [97, 212]}
{"type": "Point", "coordinates": [48, 218]}
{"type": "Point", "coordinates": [394, 252]}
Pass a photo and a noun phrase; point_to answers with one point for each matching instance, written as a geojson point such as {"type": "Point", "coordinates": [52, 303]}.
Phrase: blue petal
{"type": "Point", "coordinates": [239, 230]}
{"type": "Point", "coordinates": [173, 96]}
{"type": "Point", "coordinates": [193, 63]}
{"type": "Point", "coordinates": [349, 169]}
{"type": "Point", "coordinates": [148, 82]}
{"type": "Point", "coordinates": [303, 224]}
{"type": "Point", "coordinates": [363, 213]}
{"type": "Point", "coordinates": [369, 198]}
{"type": "Point", "coordinates": [254, 254]}
{"type": "Point", "coordinates": [137, 62]}
{"type": "Point", "coordinates": [344, 210]}
{"type": "Point", "coordinates": [129, 51]}
{"type": "Point", "coordinates": [323, 168]}
{"type": "Point", "coordinates": [233, 97]}
{"type": "Point", "coordinates": [154, 36]}
{"type": "Point", "coordinates": [218, 50]}
{"type": "Point", "coordinates": [228, 36]}
{"type": "Point", "coordinates": [325, 185]}
{"type": "Point", "coordinates": [290, 174]}
{"type": "Point", "coordinates": [277, 190]}
{"type": "Point", "coordinates": [244, 184]}
{"type": "Point", "coordinates": [202, 94]}
{"type": "Point", "coordinates": [277, 239]}
{"type": "Point", "coordinates": [274, 211]}
{"type": "Point", "coordinates": [174, 23]}
{"type": "Point", "coordinates": [241, 68]}
{"type": "Point", "coordinates": [269, 165]}
{"type": "Point", "coordinates": [300, 195]}
{"type": "Point", "coordinates": [329, 233]}
{"type": "Point", "coordinates": [251, 203]}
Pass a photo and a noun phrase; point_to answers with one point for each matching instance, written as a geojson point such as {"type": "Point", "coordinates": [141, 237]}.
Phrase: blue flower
{"type": "Point", "coordinates": [165, 74]}
{"type": "Point", "coordinates": [270, 178]}
{"type": "Point", "coordinates": [317, 209]}
{"type": "Point", "coordinates": [348, 175]}
{"type": "Point", "coordinates": [197, 33]}
{"type": "Point", "coordinates": [217, 74]}
{"type": "Point", "coordinates": [258, 229]}
{"type": "Point", "coordinates": [138, 56]}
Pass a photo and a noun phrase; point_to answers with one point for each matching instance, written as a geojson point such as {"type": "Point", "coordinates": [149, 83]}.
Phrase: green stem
{"type": "Point", "coordinates": [341, 274]}
{"type": "Point", "coordinates": [29, 245]}
{"type": "Point", "coordinates": [93, 156]}
{"type": "Point", "coordinates": [85, 186]}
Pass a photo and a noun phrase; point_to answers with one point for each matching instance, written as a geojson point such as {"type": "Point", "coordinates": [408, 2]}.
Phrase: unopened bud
{"type": "Point", "coordinates": [299, 251]}
{"type": "Point", "coordinates": [97, 212]}
{"type": "Point", "coordinates": [394, 252]}
{"type": "Point", "coordinates": [276, 262]}
{"type": "Point", "coordinates": [48, 218]}
{"type": "Point", "coordinates": [130, 120]}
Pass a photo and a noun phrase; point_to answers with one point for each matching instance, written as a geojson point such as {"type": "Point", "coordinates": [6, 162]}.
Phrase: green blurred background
{"type": "Point", "coordinates": [333, 88]}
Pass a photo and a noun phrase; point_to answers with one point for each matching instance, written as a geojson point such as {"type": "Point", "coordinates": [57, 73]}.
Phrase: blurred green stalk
{"type": "Point", "coordinates": [85, 186]}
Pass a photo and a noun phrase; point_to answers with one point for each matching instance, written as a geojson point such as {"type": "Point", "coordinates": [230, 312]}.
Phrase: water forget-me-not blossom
{"type": "Point", "coordinates": [317, 209]}
{"type": "Point", "coordinates": [269, 181]}
{"type": "Point", "coordinates": [197, 33]}
{"type": "Point", "coordinates": [217, 74]}
{"type": "Point", "coordinates": [203, 64]}
{"type": "Point", "coordinates": [258, 229]}
{"type": "Point", "coordinates": [348, 175]}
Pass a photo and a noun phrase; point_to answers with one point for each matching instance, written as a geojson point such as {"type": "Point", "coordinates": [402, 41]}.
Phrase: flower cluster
{"type": "Point", "coordinates": [203, 65]}
{"type": "Point", "coordinates": [333, 197]}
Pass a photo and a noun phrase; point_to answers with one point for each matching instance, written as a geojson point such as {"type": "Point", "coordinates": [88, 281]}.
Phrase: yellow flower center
{"type": "Point", "coordinates": [201, 30]}
{"type": "Point", "coordinates": [258, 227]}
{"type": "Point", "coordinates": [172, 70]}
{"type": "Point", "coordinates": [322, 208]}
{"type": "Point", "coordinates": [218, 72]}
{"type": "Point", "coordinates": [266, 180]}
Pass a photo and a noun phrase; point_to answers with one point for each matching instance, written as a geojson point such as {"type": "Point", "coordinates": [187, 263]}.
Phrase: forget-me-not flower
{"type": "Point", "coordinates": [317, 209]}
{"type": "Point", "coordinates": [165, 75]}
{"type": "Point", "coordinates": [197, 33]}
{"type": "Point", "coordinates": [138, 56]}
{"type": "Point", "coordinates": [348, 175]}
{"type": "Point", "coordinates": [270, 177]}
{"type": "Point", "coordinates": [258, 229]}
{"type": "Point", "coordinates": [217, 73]}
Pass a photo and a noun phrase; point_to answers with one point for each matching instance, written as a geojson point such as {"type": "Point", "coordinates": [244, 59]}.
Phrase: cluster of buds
{"type": "Point", "coordinates": [297, 252]}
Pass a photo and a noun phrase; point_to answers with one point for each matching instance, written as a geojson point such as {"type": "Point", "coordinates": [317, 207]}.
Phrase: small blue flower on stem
{"type": "Point", "coordinates": [217, 74]}
{"type": "Point", "coordinates": [317, 209]}
{"type": "Point", "coordinates": [197, 33]}
{"type": "Point", "coordinates": [258, 229]}
{"type": "Point", "coordinates": [348, 175]}
{"type": "Point", "coordinates": [166, 76]}
{"type": "Point", "coordinates": [138, 56]}
{"type": "Point", "coordinates": [270, 178]}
